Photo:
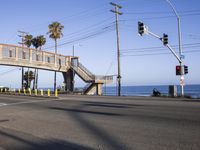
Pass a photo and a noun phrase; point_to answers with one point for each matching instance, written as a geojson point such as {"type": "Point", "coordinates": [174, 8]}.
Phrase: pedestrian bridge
{"type": "Point", "coordinates": [12, 55]}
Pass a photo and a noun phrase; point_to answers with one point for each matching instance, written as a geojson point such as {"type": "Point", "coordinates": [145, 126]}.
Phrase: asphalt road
{"type": "Point", "coordinates": [104, 123]}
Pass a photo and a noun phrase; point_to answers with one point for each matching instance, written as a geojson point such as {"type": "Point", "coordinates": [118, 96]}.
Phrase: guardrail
{"type": "Point", "coordinates": [29, 92]}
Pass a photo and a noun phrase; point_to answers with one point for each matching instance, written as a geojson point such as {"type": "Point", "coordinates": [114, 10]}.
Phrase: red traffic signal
{"type": "Point", "coordinates": [178, 70]}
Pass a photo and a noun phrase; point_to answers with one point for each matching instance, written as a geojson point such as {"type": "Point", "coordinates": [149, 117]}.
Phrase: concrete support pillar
{"type": "Point", "coordinates": [99, 88]}
{"type": "Point", "coordinates": [68, 80]}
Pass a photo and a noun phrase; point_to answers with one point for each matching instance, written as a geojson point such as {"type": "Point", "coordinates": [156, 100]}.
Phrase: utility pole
{"type": "Point", "coordinates": [116, 11]}
{"type": "Point", "coordinates": [22, 35]}
{"type": "Point", "coordinates": [73, 49]}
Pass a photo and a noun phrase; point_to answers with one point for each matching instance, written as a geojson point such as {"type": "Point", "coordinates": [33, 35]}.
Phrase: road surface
{"type": "Point", "coordinates": [103, 123]}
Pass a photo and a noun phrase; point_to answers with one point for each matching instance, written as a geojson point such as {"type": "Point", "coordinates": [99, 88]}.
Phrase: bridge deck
{"type": "Point", "coordinates": [13, 55]}
{"type": "Point", "coordinates": [27, 57]}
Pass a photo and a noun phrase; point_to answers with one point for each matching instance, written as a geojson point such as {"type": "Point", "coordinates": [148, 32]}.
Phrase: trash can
{"type": "Point", "coordinates": [172, 90]}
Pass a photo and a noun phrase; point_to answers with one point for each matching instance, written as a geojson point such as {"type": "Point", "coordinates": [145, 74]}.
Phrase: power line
{"type": "Point", "coordinates": [85, 30]}
{"type": "Point", "coordinates": [85, 37]}
{"type": "Point", "coordinates": [160, 47]}
{"type": "Point", "coordinates": [81, 15]}
{"type": "Point", "coordinates": [6, 72]}
{"type": "Point", "coordinates": [167, 53]}
{"type": "Point", "coordinates": [161, 17]}
{"type": "Point", "coordinates": [159, 12]}
{"type": "Point", "coordinates": [88, 29]}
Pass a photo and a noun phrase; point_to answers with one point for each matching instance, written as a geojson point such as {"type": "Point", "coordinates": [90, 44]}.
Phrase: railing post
{"type": "Point", "coordinates": [1, 51]}
{"type": "Point", "coordinates": [30, 55]}
{"type": "Point", "coordinates": [17, 53]}
{"type": "Point", "coordinates": [43, 57]}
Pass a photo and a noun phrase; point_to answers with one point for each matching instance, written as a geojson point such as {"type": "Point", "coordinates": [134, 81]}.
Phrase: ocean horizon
{"type": "Point", "coordinates": [192, 90]}
{"type": "Point", "coordinates": [147, 90]}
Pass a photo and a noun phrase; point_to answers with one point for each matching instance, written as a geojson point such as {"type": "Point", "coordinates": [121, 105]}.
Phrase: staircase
{"type": "Point", "coordinates": [94, 86]}
{"type": "Point", "coordinates": [83, 73]}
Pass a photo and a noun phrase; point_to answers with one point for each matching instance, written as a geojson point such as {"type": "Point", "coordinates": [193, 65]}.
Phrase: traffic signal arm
{"type": "Point", "coordinates": [144, 29]}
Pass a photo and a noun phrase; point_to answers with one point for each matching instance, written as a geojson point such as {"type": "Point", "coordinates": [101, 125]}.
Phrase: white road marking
{"type": "Point", "coordinates": [30, 102]}
{"type": "Point", "coordinates": [3, 104]}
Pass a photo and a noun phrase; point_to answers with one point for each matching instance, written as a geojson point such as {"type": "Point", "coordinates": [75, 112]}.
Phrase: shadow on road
{"type": "Point", "coordinates": [111, 105]}
{"type": "Point", "coordinates": [85, 111]}
{"type": "Point", "coordinates": [14, 140]}
{"type": "Point", "coordinates": [102, 136]}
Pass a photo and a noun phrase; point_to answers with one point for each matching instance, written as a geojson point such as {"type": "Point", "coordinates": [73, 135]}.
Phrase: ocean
{"type": "Point", "coordinates": [189, 90]}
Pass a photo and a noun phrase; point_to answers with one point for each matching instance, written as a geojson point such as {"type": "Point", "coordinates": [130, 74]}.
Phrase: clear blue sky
{"type": "Point", "coordinates": [89, 26]}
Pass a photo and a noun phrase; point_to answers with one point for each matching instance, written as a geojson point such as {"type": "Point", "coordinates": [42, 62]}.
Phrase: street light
{"type": "Point", "coordinates": [73, 52]}
{"type": "Point", "coordinates": [180, 44]}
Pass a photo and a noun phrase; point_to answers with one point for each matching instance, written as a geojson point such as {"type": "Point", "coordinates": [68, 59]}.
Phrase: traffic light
{"type": "Point", "coordinates": [178, 70]}
{"type": "Point", "coordinates": [186, 69]}
{"type": "Point", "coordinates": [165, 39]}
{"type": "Point", "coordinates": [140, 28]}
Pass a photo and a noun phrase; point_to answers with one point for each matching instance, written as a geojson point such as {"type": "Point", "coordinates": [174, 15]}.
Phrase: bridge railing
{"type": "Point", "coordinates": [104, 79]}
{"type": "Point", "coordinates": [32, 56]}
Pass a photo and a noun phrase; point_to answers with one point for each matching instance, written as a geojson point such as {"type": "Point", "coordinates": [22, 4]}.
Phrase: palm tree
{"type": "Point", "coordinates": [28, 43]}
{"type": "Point", "coordinates": [28, 77]}
{"type": "Point", "coordinates": [38, 42]}
{"type": "Point", "coordinates": [55, 33]}
{"type": "Point", "coordinates": [41, 40]}
{"type": "Point", "coordinates": [28, 40]}
{"type": "Point", "coordinates": [35, 43]}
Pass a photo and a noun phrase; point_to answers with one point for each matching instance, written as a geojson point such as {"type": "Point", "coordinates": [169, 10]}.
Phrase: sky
{"type": "Point", "coordinates": [90, 27]}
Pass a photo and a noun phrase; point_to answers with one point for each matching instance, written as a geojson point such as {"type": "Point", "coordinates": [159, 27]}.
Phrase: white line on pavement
{"type": "Point", "coordinates": [3, 104]}
{"type": "Point", "coordinates": [30, 102]}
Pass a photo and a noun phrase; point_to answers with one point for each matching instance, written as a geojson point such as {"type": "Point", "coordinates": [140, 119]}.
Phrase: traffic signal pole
{"type": "Point", "coordinates": [180, 45]}
{"type": "Point", "coordinates": [142, 29]}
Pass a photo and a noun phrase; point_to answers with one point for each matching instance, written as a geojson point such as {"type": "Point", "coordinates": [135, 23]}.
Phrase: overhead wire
{"type": "Point", "coordinates": [167, 53]}
{"type": "Point", "coordinates": [87, 29]}
{"type": "Point", "coordinates": [8, 71]}
{"type": "Point", "coordinates": [86, 36]}
{"type": "Point", "coordinates": [70, 17]}
{"type": "Point", "coordinates": [189, 45]}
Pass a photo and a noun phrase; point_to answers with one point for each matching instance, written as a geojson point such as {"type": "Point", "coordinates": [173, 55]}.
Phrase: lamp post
{"type": "Point", "coordinates": [73, 52]}
{"type": "Point", "coordinates": [180, 45]}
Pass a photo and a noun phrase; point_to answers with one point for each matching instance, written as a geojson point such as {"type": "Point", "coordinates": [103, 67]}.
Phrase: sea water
{"type": "Point", "coordinates": [189, 90]}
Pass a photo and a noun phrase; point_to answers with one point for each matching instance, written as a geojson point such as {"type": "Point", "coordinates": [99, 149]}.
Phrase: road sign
{"type": "Point", "coordinates": [182, 56]}
{"type": "Point", "coordinates": [182, 81]}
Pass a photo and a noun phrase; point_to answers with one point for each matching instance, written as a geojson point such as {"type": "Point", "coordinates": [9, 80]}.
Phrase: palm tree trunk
{"type": "Point", "coordinates": [22, 77]}
{"type": "Point", "coordinates": [28, 80]}
{"type": "Point", "coordinates": [55, 63]}
{"type": "Point", "coordinates": [34, 81]}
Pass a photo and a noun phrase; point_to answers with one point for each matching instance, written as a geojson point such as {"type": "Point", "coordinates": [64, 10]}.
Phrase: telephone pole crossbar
{"type": "Point", "coordinates": [116, 11]}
